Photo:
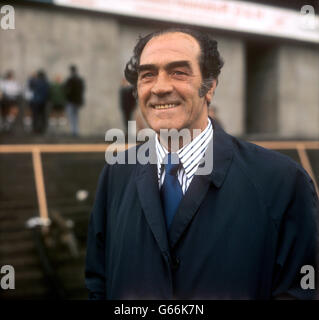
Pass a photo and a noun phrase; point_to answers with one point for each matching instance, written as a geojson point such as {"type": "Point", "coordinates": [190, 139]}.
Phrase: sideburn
{"type": "Point", "coordinates": [204, 88]}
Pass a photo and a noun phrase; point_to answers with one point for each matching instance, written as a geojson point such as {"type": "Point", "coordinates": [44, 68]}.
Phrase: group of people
{"type": "Point", "coordinates": [43, 98]}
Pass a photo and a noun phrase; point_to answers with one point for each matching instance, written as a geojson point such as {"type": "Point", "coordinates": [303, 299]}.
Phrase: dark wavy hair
{"type": "Point", "coordinates": [210, 61]}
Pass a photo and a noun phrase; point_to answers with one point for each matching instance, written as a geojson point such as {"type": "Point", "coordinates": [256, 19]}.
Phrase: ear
{"type": "Point", "coordinates": [210, 93]}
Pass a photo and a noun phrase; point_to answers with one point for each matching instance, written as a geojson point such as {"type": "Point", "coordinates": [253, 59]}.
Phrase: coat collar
{"type": "Point", "coordinates": [222, 153]}
{"type": "Point", "coordinates": [149, 195]}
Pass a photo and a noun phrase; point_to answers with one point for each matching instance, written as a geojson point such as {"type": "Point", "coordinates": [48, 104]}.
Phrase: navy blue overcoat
{"type": "Point", "coordinates": [244, 231]}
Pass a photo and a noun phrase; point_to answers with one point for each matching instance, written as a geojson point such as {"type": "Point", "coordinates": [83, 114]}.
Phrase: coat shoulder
{"type": "Point", "coordinates": [273, 174]}
{"type": "Point", "coordinates": [255, 157]}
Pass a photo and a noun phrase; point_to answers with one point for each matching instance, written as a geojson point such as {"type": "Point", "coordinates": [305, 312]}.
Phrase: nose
{"type": "Point", "coordinates": [162, 85]}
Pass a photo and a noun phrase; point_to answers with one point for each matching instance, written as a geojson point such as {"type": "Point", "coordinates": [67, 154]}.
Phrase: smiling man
{"type": "Point", "coordinates": [164, 231]}
{"type": "Point", "coordinates": [169, 80]}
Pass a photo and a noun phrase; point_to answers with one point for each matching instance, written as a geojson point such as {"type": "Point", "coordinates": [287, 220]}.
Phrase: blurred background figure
{"type": "Point", "coordinates": [28, 95]}
{"type": "Point", "coordinates": [10, 95]}
{"type": "Point", "coordinates": [57, 104]}
{"type": "Point", "coordinates": [127, 101]}
{"type": "Point", "coordinates": [74, 92]}
{"type": "Point", "coordinates": [40, 95]}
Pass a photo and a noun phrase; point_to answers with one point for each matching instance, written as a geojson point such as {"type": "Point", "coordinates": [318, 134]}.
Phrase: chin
{"type": "Point", "coordinates": [165, 124]}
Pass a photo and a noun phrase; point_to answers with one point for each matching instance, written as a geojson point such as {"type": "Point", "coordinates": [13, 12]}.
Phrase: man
{"type": "Point", "coordinates": [40, 96]}
{"type": "Point", "coordinates": [10, 92]}
{"type": "Point", "coordinates": [74, 91]}
{"type": "Point", "coordinates": [57, 101]}
{"type": "Point", "coordinates": [160, 231]}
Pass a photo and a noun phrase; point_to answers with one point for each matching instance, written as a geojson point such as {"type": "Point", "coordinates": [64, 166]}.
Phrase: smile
{"type": "Point", "coordinates": [164, 106]}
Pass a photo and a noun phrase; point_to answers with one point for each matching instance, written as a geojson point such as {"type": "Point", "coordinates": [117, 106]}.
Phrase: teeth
{"type": "Point", "coordinates": [165, 106]}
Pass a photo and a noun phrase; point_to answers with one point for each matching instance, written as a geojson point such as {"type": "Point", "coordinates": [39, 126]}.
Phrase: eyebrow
{"type": "Point", "coordinates": [171, 65]}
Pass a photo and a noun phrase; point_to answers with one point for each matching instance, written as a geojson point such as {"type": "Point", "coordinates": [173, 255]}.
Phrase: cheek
{"type": "Point", "coordinates": [144, 89]}
{"type": "Point", "coordinates": [141, 94]}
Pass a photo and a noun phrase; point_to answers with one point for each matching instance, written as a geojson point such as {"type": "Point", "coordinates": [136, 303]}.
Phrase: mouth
{"type": "Point", "coordinates": [164, 106]}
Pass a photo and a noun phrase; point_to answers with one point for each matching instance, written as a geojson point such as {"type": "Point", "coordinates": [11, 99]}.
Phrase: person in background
{"type": "Point", "coordinates": [10, 92]}
{"type": "Point", "coordinates": [127, 101]}
{"type": "Point", "coordinates": [28, 94]}
{"type": "Point", "coordinates": [40, 95]}
{"type": "Point", "coordinates": [74, 92]}
{"type": "Point", "coordinates": [57, 102]}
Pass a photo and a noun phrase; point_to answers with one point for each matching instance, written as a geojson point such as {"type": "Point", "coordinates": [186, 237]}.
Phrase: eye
{"type": "Point", "coordinates": [179, 73]}
{"type": "Point", "coordinates": [146, 75]}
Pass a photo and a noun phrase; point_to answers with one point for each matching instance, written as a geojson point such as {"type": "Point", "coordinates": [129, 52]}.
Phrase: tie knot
{"type": "Point", "coordinates": [171, 164]}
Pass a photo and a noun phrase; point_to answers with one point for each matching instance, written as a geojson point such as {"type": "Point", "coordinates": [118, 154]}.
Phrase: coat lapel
{"type": "Point", "coordinates": [149, 196]}
{"type": "Point", "coordinates": [221, 148]}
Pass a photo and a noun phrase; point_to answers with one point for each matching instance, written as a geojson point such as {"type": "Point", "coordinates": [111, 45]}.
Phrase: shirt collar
{"type": "Point", "coordinates": [190, 154]}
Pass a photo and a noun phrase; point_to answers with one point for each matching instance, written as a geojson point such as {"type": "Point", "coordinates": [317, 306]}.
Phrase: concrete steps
{"type": "Point", "coordinates": [64, 175]}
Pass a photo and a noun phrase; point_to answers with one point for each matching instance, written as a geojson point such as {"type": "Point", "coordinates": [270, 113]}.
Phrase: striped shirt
{"type": "Point", "coordinates": [189, 156]}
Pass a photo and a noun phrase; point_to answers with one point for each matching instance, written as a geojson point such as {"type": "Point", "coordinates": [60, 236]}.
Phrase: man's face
{"type": "Point", "coordinates": [168, 83]}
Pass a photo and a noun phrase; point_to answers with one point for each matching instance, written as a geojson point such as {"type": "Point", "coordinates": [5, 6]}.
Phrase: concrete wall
{"type": "Point", "coordinates": [230, 93]}
{"type": "Point", "coordinates": [53, 39]}
{"type": "Point", "coordinates": [285, 102]}
{"type": "Point", "coordinates": [262, 89]}
{"type": "Point", "coordinates": [298, 91]}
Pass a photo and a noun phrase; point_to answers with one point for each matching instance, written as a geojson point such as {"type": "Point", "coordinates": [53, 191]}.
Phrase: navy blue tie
{"type": "Point", "coordinates": [171, 191]}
